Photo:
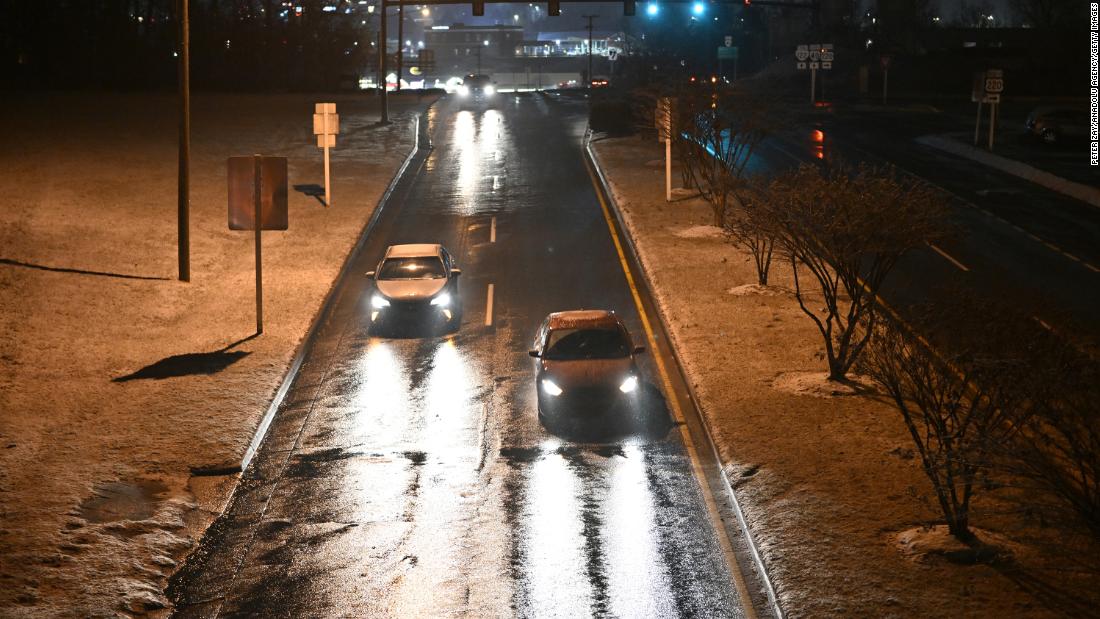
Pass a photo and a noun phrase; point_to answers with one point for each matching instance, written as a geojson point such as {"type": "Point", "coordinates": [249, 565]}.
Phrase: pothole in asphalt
{"type": "Point", "coordinates": [117, 500]}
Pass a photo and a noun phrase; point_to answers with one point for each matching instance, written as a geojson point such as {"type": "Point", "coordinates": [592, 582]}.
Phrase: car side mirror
{"type": "Point", "coordinates": [455, 272]}
{"type": "Point", "coordinates": [639, 350]}
{"type": "Point", "coordinates": [369, 274]}
{"type": "Point", "coordinates": [534, 353]}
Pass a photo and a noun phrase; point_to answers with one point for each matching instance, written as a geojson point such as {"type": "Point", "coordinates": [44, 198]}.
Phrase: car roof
{"type": "Point", "coordinates": [581, 319]}
{"type": "Point", "coordinates": [414, 250]}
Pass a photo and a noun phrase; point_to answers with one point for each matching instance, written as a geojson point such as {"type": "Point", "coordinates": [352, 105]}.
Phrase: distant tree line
{"type": "Point", "coordinates": [133, 44]}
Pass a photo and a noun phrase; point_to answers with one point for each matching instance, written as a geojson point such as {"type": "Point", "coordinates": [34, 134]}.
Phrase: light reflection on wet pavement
{"type": "Point", "coordinates": [408, 476]}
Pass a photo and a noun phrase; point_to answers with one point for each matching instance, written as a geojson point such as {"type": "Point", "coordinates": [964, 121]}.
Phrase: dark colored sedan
{"type": "Point", "coordinates": [585, 366]}
{"type": "Point", "coordinates": [1054, 124]}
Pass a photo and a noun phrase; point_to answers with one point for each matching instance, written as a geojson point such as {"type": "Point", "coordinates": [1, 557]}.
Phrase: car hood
{"type": "Point", "coordinates": [410, 289]}
{"type": "Point", "coordinates": [587, 372]}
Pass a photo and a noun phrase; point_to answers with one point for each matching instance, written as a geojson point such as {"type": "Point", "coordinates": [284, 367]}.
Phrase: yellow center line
{"type": "Point", "coordinates": [685, 434]}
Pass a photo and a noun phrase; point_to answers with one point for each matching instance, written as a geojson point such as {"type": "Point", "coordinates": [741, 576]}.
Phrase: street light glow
{"type": "Point", "coordinates": [698, 8]}
{"type": "Point", "coordinates": [651, 9]}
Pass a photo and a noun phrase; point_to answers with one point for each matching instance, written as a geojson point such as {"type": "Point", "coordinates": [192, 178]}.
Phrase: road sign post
{"type": "Point", "coordinates": [326, 124]}
{"type": "Point", "coordinates": [664, 133]}
{"type": "Point", "coordinates": [885, 62]}
{"type": "Point", "coordinates": [257, 202]}
{"type": "Point", "coordinates": [814, 56]}
{"type": "Point", "coordinates": [994, 86]}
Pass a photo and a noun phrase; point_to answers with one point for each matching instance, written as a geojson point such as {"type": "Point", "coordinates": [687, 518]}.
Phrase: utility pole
{"type": "Point", "coordinates": [590, 18]}
{"type": "Point", "coordinates": [400, 43]}
{"type": "Point", "coordinates": [183, 193]}
{"type": "Point", "coordinates": [385, 120]}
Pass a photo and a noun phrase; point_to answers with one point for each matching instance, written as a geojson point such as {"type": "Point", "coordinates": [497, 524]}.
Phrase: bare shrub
{"type": "Point", "coordinates": [1057, 449]}
{"type": "Point", "coordinates": [963, 402]}
{"type": "Point", "coordinates": [721, 126]}
{"type": "Point", "coordinates": [748, 227]}
{"type": "Point", "coordinates": [847, 228]}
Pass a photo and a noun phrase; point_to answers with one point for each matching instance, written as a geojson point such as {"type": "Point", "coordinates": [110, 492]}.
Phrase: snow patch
{"type": "Point", "coordinates": [925, 543]}
{"type": "Point", "coordinates": [700, 232]}
{"type": "Point", "coordinates": [748, 290]}
{"type": "Point", "coordinates": [818, 385]}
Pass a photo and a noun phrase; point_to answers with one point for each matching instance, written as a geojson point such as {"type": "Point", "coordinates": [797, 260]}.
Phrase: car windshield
{"type": "Point", "coordinates": [573, 344]}
{"type": "Point", "coordinates": [426, 267]}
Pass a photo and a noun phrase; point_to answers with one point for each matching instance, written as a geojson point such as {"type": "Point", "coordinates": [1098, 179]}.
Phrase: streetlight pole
{"type": "Point", "coordinates": [590, 18]}
{"type": "Point", "coordinates": [183, 193]}
{"type": "Point", "coordinates": [400, 43]}
{"type": "Point", "coordinates": [382, 64]}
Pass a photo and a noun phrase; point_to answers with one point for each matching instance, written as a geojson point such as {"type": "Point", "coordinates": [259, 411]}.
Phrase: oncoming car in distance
{"type": "Point", "coordinates": [415, 284]}
{"type": "Point", "coordinates": [476, 90]}
{"type": "Point", "coordinates": [585, 366]}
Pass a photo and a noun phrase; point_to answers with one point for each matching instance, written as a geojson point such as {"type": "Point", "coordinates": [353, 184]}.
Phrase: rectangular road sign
{"type": "Point", "coordinates": [825, 64]}
{"type": "Point", "coordinates": [326, 123]}
{"type": "Point", "coordinates": [815, 65]}
{"type": "Point", "coordinates": [992, 98]}
{"type": "Point", "coordinates": [727, 53]}
{"type": "Point", "coordinates": [801, 66]}
{"type": "Point", "coordinates": [273, 193]}
{"type": "Point", "coordinates": [326, 139]}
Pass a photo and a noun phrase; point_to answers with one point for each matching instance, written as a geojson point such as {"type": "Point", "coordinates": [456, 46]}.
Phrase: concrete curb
{"type": "Point", "coordinates": [326, 306]}
{"type": "Point", "coordinates": [742, 522]}
{"type": "Point", "coordinates": [1084, 193]}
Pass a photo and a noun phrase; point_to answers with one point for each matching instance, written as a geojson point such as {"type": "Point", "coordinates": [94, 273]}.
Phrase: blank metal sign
{"type": "Point", "coordinates": [273, 193]}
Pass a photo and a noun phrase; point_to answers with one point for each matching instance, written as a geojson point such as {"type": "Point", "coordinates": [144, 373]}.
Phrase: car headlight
{"type": "Point", "coordinates": [378, 302]}
{"type": "Point", "coordinates": [463, 90]}
{"type": "Point", "coordinates": [489, 90]}
{"type": "Point", "coordinates": [442, 300]}
{"type": "Point", "coordinates": [629, 384]}
{"type": "Point", "coordinates": [550, 388]}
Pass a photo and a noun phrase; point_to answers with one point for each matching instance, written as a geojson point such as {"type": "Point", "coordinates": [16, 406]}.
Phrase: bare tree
{"type": "Point", "coordinates": [963, 402]}
{"type": "Point", "coordinates": [747, 226]}
{"type": "Point", "coordinates": [974, 13]}
{"type": "Point", "coordinates": [1047, 13]}
{"type": "Point", "coordinates": [848, 228]}
{"type": "Point", "coordinates": [1058, 448]}
{"type": "Point", "coordinates": [723, 126]}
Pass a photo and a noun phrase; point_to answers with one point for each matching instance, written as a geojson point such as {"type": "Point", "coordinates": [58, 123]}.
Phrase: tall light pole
{"type": "Point", "coordinates": [400, 43]}
{"type": "Point", "coordinates": [183, 192]}
{"type": "Point", "coordinates": [590, 18]}
{"type": "Point", "coordinates": [382, 64]}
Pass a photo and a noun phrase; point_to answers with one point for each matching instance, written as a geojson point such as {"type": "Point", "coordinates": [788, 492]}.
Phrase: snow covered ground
{"type": "Point", "coordinates": [97, 498]}
{"type": "Point", "coordinates": [833, 493]}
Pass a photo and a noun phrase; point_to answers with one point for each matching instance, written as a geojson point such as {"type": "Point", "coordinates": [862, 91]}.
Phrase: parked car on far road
{"type": "Point", "coordinates": [1057, 124]}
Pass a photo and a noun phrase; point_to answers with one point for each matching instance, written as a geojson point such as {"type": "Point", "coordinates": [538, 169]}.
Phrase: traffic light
{"type": "Point", "coordinates": [628, 8]}
{"type": "Point", "coordinates": [479, 9]}
{"type": "Point", "coordinates": [554, 9]}
{"type": "Point", "coordinates": [748, 2]}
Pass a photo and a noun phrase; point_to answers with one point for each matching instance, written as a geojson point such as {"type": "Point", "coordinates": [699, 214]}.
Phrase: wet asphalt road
{"type": "Point", "coordinates": [406, 474]}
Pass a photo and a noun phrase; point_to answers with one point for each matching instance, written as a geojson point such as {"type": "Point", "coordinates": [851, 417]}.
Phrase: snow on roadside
{"type": "Point", "coordinates": [827, 483]}
{"type": "Point", "coordinates": [116, 380]}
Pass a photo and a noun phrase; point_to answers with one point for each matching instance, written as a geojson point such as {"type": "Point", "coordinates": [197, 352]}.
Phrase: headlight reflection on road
{"type": "Point", "coordinates": [448, 414]}
{"type": "Point", "coordinates": [445, 475]}
{"type": "Point", "coordinates": [469, 159]}
{"type": "Point", "coordinates": [380, 402]}
{"type": "Point", "coordinates": [638, 583]}
{"type": "Point", "coordinates": [552, 542]}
